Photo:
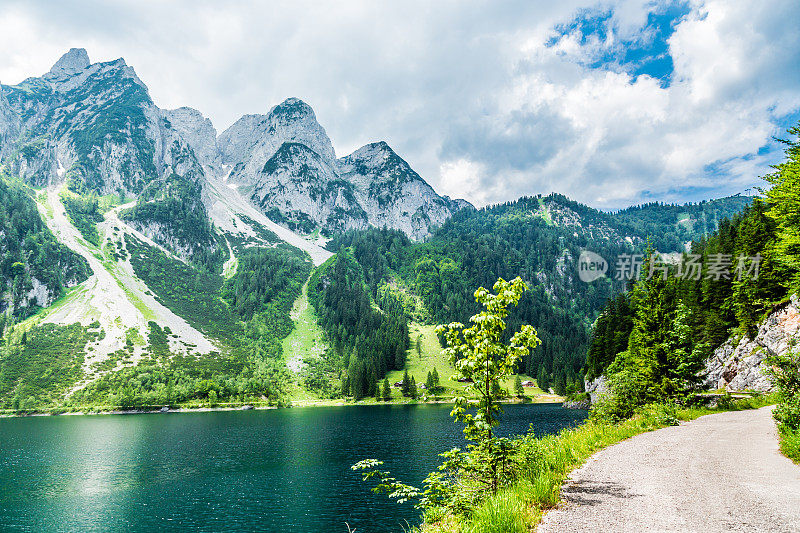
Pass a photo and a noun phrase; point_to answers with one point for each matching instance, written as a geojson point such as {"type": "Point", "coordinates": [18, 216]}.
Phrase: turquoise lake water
{"type": "Point", "coordinates": [283, 470]}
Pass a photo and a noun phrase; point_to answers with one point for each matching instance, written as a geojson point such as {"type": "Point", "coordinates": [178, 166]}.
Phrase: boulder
{"type": "Point", "coordinates": [738, 364]}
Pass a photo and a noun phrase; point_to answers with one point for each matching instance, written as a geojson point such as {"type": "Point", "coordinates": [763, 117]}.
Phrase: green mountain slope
{"type": "Point", "coordinates": [541, 240]}
{"type": "Point", "coordinates": [34, 267]}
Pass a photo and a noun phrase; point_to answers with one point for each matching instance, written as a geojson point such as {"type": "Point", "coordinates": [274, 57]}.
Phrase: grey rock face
{"type": "Point", "coordinates": [306, 191]}
{"type": "Point", "coordinates": [93, 123]}
{"type": "Point", "coordinates": [9, 125]}
{"type": "Point", "coordinates": [188, 127]}
{"type": "Point", "coordinates": [597, 388]}
{"type": "Point", "coordinates": [373, 186]}
{"type": "Point", "coordinates": [252, 140]}
{"type": "Point", "coordinates": [70, 63]}
{"type": "Point", "coordinates": [96, 126]}
{"type": "Point", "coordinates": [578, 404]}
{"type": "Point", "coordinates": [739, 365]}
{"type": "Point", "coordinates": [392, 194]}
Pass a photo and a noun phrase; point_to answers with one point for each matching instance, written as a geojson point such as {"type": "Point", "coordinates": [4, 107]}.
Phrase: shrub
{"type": "Point", "coordinates": [785, 374]}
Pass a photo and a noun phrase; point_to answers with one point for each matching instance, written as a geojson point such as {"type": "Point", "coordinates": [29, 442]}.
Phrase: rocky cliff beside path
{"type": "Point", "coordinates": [739, 363]}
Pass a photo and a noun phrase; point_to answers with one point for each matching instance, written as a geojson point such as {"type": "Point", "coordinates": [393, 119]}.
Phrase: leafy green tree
{"type": "Point", "coordinates": [785, 373]}
{"type": "Point", "coordinates": [412, 389]}
{"type": "Point", "coordinates": [435, 376]}
{"type": "Point", "coordinates": [419, 346]}
{"type": "Point", "coordinates": [480, 355]}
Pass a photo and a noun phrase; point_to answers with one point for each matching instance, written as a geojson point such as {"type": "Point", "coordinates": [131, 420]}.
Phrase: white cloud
{"type": "Point", "coordinates": [467, 92]}
{"type": "Point", "coordinates": [630, 139]}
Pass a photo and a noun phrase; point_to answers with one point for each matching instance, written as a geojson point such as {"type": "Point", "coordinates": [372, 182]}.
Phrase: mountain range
{"type": "Point", "coordinates": [150, 244]}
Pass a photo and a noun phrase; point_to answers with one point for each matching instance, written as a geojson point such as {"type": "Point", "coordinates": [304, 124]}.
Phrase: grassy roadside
{"type": "Point", "coordinates": [790, 444]}
{"type": "Point", "coordinates": [546, 462]}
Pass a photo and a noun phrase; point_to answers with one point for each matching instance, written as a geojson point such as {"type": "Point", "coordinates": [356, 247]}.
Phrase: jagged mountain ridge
{"type": "Point", "coordinates": [96, 126]}
{"type": "Point", "coordinates": [310, 187]}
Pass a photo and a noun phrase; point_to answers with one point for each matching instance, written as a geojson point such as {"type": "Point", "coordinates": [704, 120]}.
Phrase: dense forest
{"type": "Point", "coordinates": [366, 297]}
{"type": "Point", "coordinates": [686, 222]}
{"type": "Point", "coordinates": [714, 305]}
{"type": "Point", "coordinates": [173, 205]}
{"type": "Point", "coordinates": [369, 339]}
{"type": "Point", "coordinates": [540, 239]}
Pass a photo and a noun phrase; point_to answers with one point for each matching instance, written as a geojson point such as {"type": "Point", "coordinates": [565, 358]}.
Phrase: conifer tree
{"type": "Point", "coordinates": [518, 389]}
{"type": "Point", "coordinates": [412, 389]}
{"type": "Point", "coordinates": [784, 201]}
{"type": "Point", "coordinates": [405, 389]}
{"type": "Point", "coordinates": [376, 390]}
{"type": "Point", "coordinates": [541, 379]}
{"type": "Point", "coordinates": [387, 391]}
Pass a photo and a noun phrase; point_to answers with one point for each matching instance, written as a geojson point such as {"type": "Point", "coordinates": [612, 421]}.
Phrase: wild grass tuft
{"type": "Point", "coordinates": [502, 513]}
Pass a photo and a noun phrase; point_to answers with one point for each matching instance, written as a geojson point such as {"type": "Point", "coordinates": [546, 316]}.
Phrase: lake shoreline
{"type": "Point", "coordinates": [539, 398]}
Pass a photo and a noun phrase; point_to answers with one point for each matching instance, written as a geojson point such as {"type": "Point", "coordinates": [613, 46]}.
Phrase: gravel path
{"type": "Point", "coordinates": [721, 472]}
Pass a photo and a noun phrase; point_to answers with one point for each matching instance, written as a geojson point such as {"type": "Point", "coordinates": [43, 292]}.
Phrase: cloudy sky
{"type": "Point", "coordinates": [611, 103]}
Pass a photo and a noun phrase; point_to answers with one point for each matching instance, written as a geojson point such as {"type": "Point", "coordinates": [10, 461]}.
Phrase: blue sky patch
{"type": "Point", "coordinates": [646, 53]}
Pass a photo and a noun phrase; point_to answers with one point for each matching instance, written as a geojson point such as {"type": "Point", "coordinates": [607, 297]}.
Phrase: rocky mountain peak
{"type": "Point", "coordinates": [73, 61]}
{"type": "Point", "coordinates": [292, 109]}
{"type": "Point", "coordinates": [376, 162]}
{"type": "Point", "coordinates": [195, 130]}
{"type": "Point", "coordinates": [373, 153]}
{"type": "Point", "coordinates": [252, 140]}
{"type": "Point", "coordinates": [294, 120]}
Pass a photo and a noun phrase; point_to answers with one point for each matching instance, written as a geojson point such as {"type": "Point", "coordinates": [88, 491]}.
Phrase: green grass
{"type": "Point", "coordinates": [306, 338]}
{"type": "Point", "coordinates": [790, 444]}
{"type": "Point", "coordinates": [546, 463]}
{"type": "Point", "coordinates": [110, 201]}
{"type": "Point", "coordinates": [504, 513]}
{"type": "Point", "coordinates": [187, 292]}
{"type": "Point", "coordinates": [418, 366]}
